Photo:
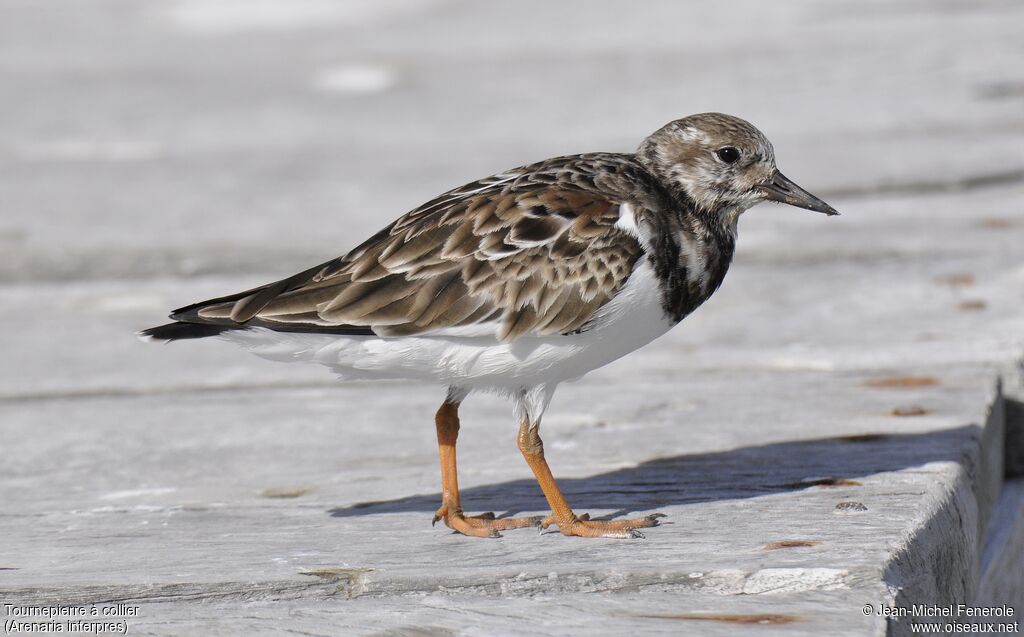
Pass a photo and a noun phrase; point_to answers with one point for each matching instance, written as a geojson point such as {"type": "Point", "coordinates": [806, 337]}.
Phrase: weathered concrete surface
{"type": "Point", "coordinates": [1000, 581]}
{"type": "Point", "coordinates": [155, 153]}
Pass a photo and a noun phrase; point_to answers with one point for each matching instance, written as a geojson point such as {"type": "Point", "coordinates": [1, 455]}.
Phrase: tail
{"type": "Point", "coordinates": [241, 311]}
{"type": "Point", "coordinates": [178, 331]}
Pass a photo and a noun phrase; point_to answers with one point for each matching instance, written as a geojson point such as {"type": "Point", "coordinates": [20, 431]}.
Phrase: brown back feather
{"type": "Point", "coordinates": [534, 251]}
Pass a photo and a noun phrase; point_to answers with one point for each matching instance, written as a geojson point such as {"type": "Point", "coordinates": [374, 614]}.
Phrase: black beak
{"type": "Point", "coordinates": [782, 189]}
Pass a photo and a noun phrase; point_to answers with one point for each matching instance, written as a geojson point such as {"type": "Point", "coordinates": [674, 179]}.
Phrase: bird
{"type": "Point", "coordinates": [520, 281]}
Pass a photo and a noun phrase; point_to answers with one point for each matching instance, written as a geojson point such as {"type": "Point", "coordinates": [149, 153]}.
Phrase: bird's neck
{"type": "Point", "coordinates": [692, 253]}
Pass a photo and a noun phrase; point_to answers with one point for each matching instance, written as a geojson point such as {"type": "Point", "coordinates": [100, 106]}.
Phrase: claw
{"type": "Point", "coordinates": [483, 525]}
{"type": "Point", "coordinates": [584, 525]}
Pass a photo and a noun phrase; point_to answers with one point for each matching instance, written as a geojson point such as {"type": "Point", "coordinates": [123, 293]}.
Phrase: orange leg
{"type": "Point", "coordinates": [561, 514]}
{"type": "Point", "coordinates": [484, 525]}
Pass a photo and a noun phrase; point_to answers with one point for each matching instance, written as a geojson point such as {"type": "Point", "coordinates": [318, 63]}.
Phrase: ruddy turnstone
{"type": "Point", "coordinates": [517, 282]}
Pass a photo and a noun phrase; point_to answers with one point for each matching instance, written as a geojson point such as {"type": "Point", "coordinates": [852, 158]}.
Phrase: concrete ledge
{"type": "Point", "coordinates": [970, 546]}
{"type": "Point", "coordinates": [893, 519]}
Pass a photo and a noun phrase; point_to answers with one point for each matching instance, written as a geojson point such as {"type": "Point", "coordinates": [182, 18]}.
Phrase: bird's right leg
{"type": "Point", "coordinates": [485, 525]}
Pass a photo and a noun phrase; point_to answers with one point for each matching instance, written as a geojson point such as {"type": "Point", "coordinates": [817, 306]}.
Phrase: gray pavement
{"type": "Point", "coordinates": [157, 153]}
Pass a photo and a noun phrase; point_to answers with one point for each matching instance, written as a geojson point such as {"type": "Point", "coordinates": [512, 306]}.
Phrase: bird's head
{"type": "Point", "coordinates": [723, 164]}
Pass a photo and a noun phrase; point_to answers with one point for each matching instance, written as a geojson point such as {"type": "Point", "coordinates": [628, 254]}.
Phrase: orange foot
{"type": "Point", "coordinates": [483, 525]}
{"type": "Point", "coordinates": [583, 526]}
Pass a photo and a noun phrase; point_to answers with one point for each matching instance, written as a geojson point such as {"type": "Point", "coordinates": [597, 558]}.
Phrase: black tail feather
{"type": "Point", "coordinates": [182, 330]}
{"type": "Point", "coordinates": [178, 331]}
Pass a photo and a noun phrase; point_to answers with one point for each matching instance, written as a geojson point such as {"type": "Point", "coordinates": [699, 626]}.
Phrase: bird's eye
{"type": "Point", "coordinates": [728, 154]}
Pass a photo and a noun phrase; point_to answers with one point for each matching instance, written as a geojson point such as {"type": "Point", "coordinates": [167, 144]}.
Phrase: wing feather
{"type": "Point", "coordinates": [534, 251]}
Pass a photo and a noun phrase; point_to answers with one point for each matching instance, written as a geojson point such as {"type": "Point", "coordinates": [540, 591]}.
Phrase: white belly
{"type": "Point", "coordinates": [629, 321]}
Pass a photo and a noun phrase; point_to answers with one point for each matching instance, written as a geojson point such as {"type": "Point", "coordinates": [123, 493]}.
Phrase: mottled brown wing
{"type": "Point", "coordinates": [507, 256]}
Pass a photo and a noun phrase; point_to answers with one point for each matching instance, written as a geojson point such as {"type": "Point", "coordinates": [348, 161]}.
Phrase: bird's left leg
{"type": "Point", "coordinates": [531, 406]}
{"type": "Point", "coordinates": [485, 525]}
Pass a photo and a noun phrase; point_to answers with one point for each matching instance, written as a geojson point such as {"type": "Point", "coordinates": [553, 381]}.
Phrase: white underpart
{"type": "Point", "coordinates": [531, 403]}
{"type": "Point", "coordinates": [633, 318]}
{"type": "Point", "coordinates": [627, 222]}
